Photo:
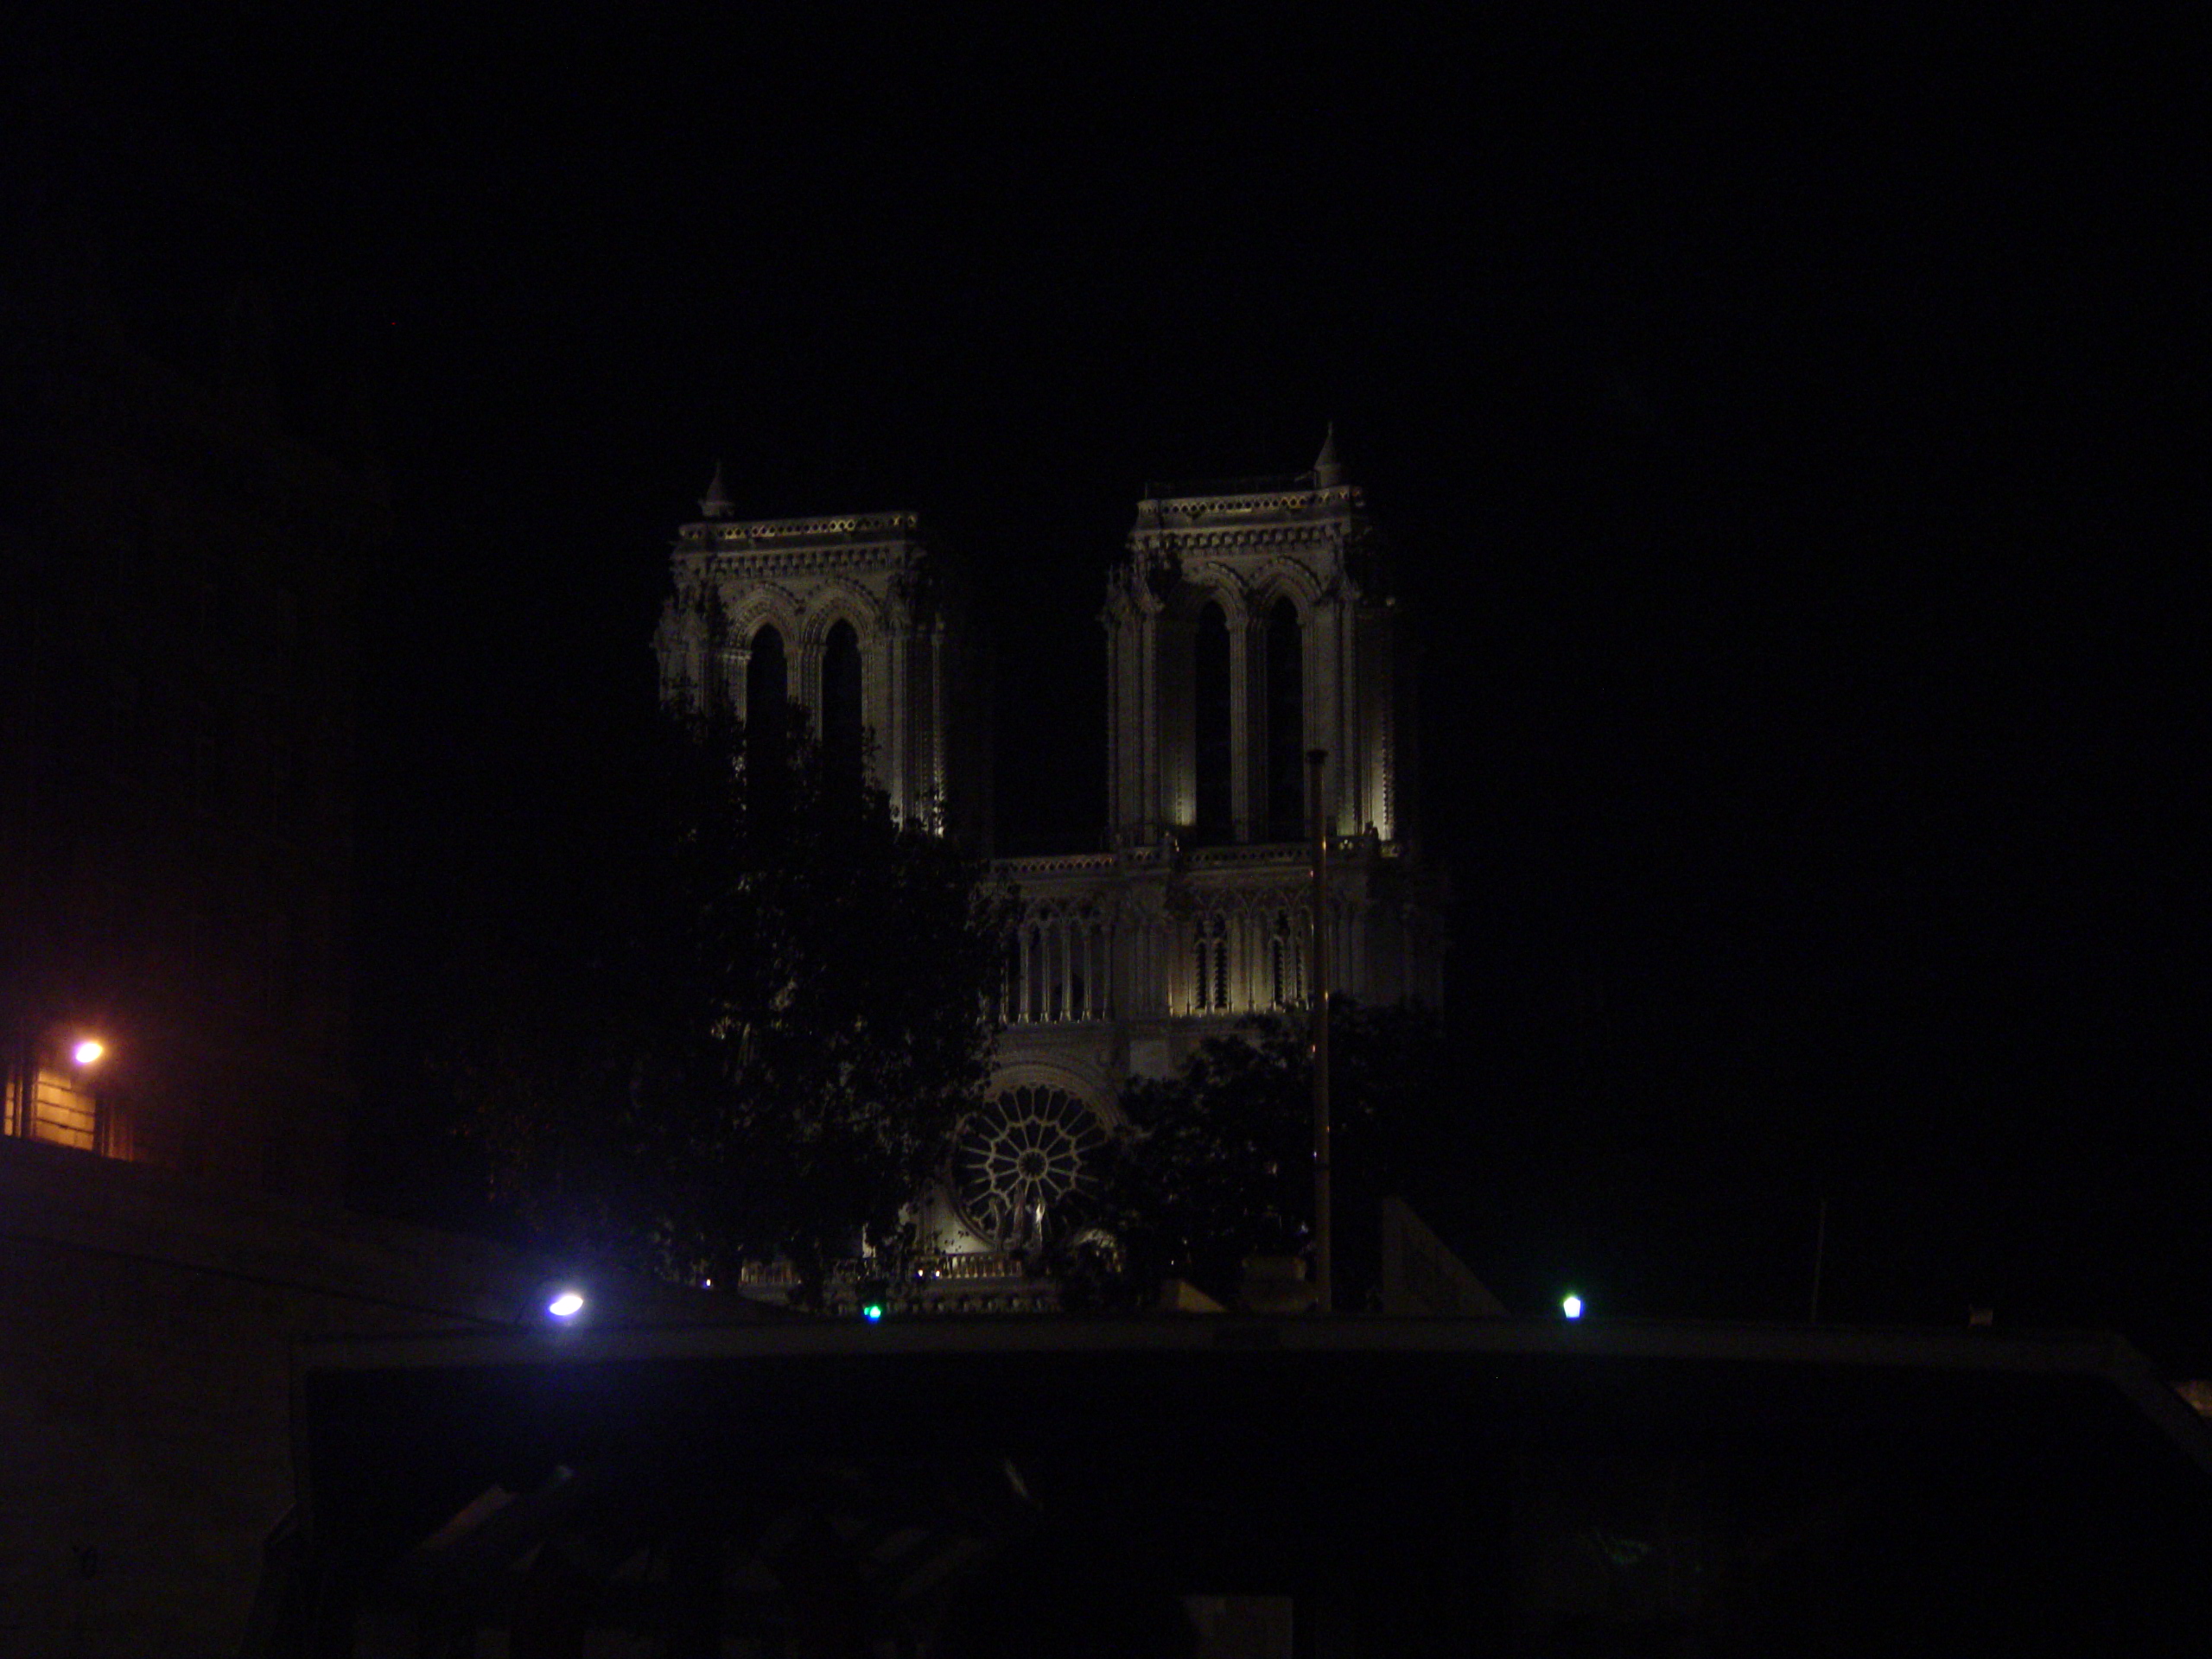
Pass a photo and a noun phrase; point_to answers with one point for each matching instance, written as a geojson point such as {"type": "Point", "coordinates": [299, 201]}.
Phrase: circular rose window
{"type": "Point", "coordinates": [1019, 1159]}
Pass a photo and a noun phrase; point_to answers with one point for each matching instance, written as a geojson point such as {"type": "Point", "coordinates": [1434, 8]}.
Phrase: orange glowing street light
{"type": "Point", "coordinates": [88, 1050]}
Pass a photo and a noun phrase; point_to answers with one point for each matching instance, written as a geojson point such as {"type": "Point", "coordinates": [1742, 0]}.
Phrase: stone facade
{"type": "Point", "coordinates": [855, 619]}
{"type": "Point", "coordinates": [1282, 582]}
{"type": "Point", "coordinates": [1247, 624]}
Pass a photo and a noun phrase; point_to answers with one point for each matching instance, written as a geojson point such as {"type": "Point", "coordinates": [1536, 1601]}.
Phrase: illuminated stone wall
{"type": "Point", "coordinates": [1201, 915]}
{"type": "Point", "coordinates": [804, 578]}
{"type": "Point", "coordinates": [1245, 553]}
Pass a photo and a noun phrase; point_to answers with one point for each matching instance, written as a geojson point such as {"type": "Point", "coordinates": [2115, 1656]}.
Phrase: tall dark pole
{"type": "Point", "coordinates": [1323, 1274]}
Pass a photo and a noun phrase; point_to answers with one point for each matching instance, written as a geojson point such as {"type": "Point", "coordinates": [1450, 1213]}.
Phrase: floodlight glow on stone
{"type": "Point", "coordinates": [566, 1306]}
{"type": "Point", "coordinates": [1571, 1307]}
{"type": "Point", "coordinates": [88, 1051]}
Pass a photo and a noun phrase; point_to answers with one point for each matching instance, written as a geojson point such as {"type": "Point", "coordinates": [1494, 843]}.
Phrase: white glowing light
{"type": "Point", "coordinates": [566, 1306]}
{"type": "Point", "coordinates": [1571, 1307]}
{"type": "Point", "coordinates": [88, 1051]}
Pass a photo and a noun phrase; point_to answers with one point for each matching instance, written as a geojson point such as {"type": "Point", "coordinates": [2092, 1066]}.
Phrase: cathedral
{"type": "Point", "coordinates": [1258, 674]}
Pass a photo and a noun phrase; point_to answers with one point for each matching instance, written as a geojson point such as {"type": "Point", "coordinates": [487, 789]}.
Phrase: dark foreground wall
{"type": "Point", "coordinates": [1347, 1486]}
{"type": "Point", "coordinates": [147, 1325]}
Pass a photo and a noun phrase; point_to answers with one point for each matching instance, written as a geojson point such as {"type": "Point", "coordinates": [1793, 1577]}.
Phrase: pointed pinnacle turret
{"type": "Point", "coordinates": [715, 504]}
{"type": "Point", "coordinates": [1328, 471]}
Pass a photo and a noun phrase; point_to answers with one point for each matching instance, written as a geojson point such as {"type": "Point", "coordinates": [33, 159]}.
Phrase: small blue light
{"type": "Point", "coordinates": [1572, 1307]}
{"type": "Point", "coordinates": [872, 1312]}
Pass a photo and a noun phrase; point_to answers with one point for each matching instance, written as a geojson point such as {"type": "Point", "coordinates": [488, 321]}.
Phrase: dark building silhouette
{"type": "Point", "coordinates": [182, 538]}
{"type": "Point", "coordinates": [1289, 1486]}
{"type": "Point", "coordinates": [179, 570]}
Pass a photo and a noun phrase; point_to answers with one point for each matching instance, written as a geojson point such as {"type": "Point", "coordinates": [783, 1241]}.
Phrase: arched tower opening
{"type": "Point", "coordinates": [1286, 714]}
{"type": "Point", "coordinates": [841, 702]}
{"type": "Point", "coordinates": [767, 698]}
{"type": "Point", "coordinates": [1213, 751]}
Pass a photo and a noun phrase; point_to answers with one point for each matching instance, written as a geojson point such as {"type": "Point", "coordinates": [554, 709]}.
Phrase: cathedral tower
{"type": "Point", "coordinates": [1250, 622]}
{"type": "Point", "coordinates": [854, 617]}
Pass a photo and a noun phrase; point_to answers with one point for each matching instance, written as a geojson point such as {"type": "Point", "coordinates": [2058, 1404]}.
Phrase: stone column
{"type": "Point", "coordinates": [895, 736]}
{"type": "Point", "coordinates": [1351, 769]}
{"type": "Point", "coordinates": [1149, 815]}
{"type": "Point", "coordinates": [1322, 647]}
{"type": "Point", "coordinates": [802, 659]}
{"type": "Point", "coordinates": [935, 772]}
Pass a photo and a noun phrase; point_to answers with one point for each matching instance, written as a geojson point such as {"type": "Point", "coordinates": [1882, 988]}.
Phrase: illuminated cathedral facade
{"type": "Point", "coordinates": [1248, 625]}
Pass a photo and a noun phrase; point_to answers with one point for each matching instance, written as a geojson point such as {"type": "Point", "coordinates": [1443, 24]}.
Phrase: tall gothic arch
{"type": "Point", "coordinates": [767, 691]}
{"type": "Point", "coordinates": [1213, 748]}
{"type": "Point", "coordinates": [1283, 706]}
{"type": "Point", "coordinates": [843, 691]}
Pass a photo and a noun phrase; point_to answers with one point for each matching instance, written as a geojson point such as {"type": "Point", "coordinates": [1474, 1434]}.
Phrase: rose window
{"type": "Point", "coordinates": [1019, 1158]}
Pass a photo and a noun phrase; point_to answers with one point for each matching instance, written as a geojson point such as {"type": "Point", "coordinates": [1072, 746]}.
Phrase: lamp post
{"type": "Point", "coordinates": [1324, 1301]}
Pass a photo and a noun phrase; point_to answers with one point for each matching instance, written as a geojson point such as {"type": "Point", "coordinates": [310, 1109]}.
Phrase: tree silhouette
{"type": "Point", "coordinates": [753, 1031]}
{"type": "Point", "coordinates": [1217, 1163]}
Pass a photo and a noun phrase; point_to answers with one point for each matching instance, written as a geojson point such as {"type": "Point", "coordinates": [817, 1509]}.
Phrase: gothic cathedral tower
{"type": "Point", "coordinates": [1250, 622]}
{"type": "Point", "coordinates": [854, 618]}
{"type": "Point", "coordinates": [1247, 624]}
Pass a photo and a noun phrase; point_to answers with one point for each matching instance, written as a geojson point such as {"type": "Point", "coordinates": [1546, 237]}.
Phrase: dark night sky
{"type": "Point", "coordinates": [1788, 431]}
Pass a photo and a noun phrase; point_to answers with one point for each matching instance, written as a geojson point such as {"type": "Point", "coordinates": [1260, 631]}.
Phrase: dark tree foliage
{"type": "Point", "coordinates": [1217, 1163]}
{"type": "Point", "coordinates": [753, 1033]}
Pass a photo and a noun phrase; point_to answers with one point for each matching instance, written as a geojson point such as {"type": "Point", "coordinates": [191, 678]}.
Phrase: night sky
{"type": "Point", "coordinates": [1791, 434]}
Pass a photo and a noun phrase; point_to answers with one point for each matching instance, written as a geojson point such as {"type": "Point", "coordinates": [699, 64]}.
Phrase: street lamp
{"type": "Point", "coordinates": [88, 1050]}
